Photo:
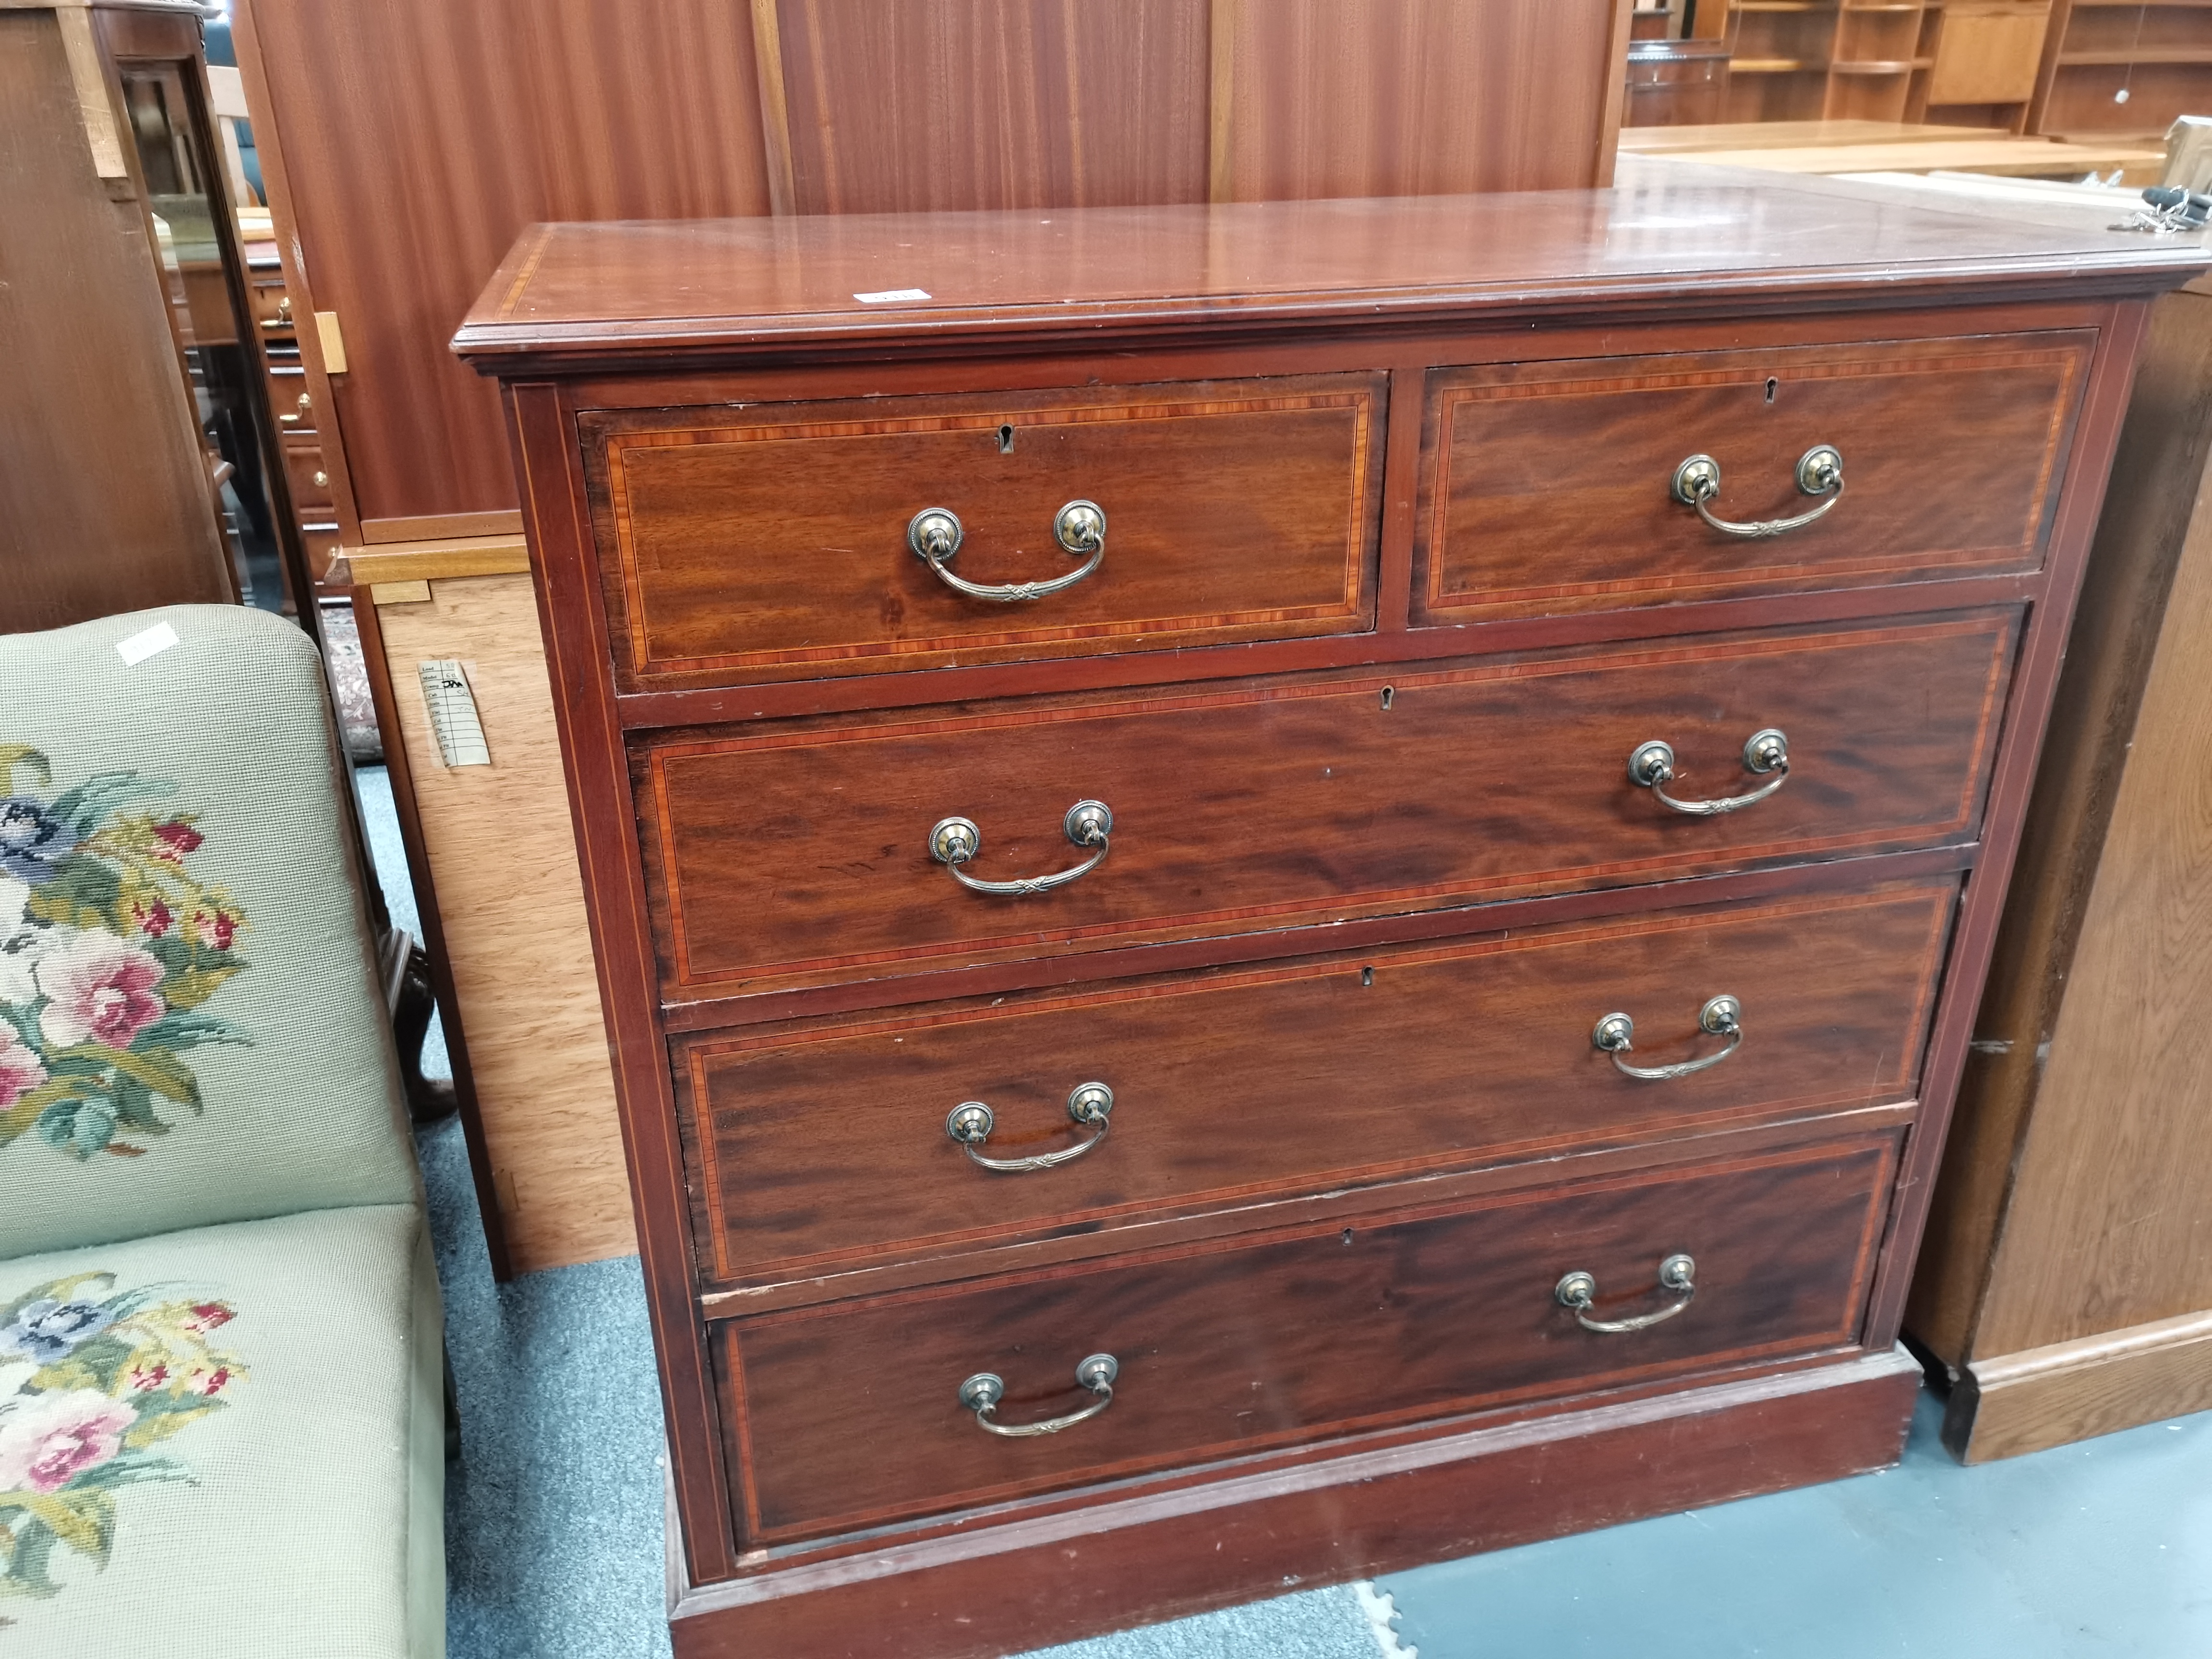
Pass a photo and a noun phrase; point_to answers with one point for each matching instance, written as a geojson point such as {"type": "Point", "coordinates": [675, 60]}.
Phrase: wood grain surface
{"type": "Point", "coordinates": [2118, 1150]}
{"type": "Point", "coordinates": [1270, 1341]}
{"type": "Point", "coordinates": [511, 903]}
{"type": "Point", "coordinates": [774, 545]}
{"type": "Point", "coordinates": [1312, 98]}
{"type": "Point", "coordinates": [2139, 626]}
{"type": "Point", "coordinates": [571, 295]}
{"type": "Point", "coordinates": [783, 854]}
{"type": "Point", "coordinates": [993, 103]}
{"type": "Point", "coordinates": [2038, 1398]}
{"type": "Point", "coordinates": [826, 1143]}
{"type": "Point", "coordinates": [415, 138]}
{"type": "Point", "coordinates": [1547, 489]}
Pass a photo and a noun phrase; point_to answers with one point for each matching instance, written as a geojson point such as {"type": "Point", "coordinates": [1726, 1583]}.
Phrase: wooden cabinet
{"type": "Point", "coordinates": [2123, 67]}
{"type": "Point", "coordinates": [141, 468]}
{"type": "Point", "coordinates": [2066, 1284]}
{"type": "Point", "coordinates": [1957, 63]}
{"type": "Point", "coordinates": [1233, 1047]}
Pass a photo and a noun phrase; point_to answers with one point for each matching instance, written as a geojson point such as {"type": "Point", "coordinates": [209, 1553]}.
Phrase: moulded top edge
{"type": "Point", "coordinates": [1672, 235]}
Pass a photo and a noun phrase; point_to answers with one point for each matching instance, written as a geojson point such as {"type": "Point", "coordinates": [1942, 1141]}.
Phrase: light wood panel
{"type": "Point", "coordinates": [418, 137]}
{"type": "Point", "coordinates": [2119, 1149]}
{"type": "Point", "coordinates": [1314, 98]}
{"type": "Point", "coordinates": [1988, 52]}
{"type": "Point", "coordinates": [512, 899]}
{"type": "Point", "coordinates": [2069, 1391]}
{"type": "Point", "coordinates": [2066, 1282]}
{"type": "Point", "coordinates": [991, 103]}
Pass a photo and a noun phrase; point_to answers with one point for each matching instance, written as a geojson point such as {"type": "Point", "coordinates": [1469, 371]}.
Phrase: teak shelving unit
{"type": "Point", "coordinates": [2158, 52]}
{"type": "Point", "coordinates": [1965, 63]}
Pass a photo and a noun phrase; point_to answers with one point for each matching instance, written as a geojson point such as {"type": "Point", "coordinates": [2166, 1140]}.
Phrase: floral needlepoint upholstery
{"type": "Point", "coordinates": [110, 950]}
{"type": "Point", "coordinates": [190, 1025]}
{"type": "Point", "coordinates": [221, 1409]}
{"type": "Point", "coordinates": [113, 1374]}
{"type": "Point", "coordinates": [232, 1434]}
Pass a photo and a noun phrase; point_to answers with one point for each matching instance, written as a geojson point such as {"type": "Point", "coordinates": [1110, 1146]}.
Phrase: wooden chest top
{"type": "Point", "coordinates": [585, 294]}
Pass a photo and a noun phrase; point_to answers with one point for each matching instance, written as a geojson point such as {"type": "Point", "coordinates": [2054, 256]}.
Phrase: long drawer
{"type": "Point", "coordinates": [831, 1144]}
{"type": "Point", "coordinates": [792, 853]}
{"type": "Point", "coordinates": [851, 1415]}
{"type": "Point", "coordinates": [1549, 487]}
{"type": "Point", "coordinates": [773, 540]}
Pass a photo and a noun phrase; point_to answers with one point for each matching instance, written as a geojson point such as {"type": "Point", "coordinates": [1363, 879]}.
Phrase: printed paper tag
{"type": "Point", "coordinates": [453, 712]}
{"type": "Point", "coordinates": [139, 646]}
{"type": "Point", "coordinates": [890, 295]}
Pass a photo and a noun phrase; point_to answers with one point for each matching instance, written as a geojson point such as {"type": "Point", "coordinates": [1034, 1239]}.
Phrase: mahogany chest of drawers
{"type": "Point", "coordinates": [1285, 889]}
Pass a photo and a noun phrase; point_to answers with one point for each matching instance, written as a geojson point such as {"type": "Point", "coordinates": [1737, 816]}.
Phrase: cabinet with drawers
{"type": "Point", "coordinates": [1287, 889]}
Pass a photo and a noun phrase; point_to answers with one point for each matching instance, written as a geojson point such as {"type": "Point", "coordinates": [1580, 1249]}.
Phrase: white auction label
{"type": "Point", "coordinates": [139, 646]}
{"type": "Point", "coordinates": [889, 295]}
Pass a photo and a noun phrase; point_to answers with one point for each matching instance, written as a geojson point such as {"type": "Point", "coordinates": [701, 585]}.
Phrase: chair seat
{"type": "Point", "coordinates": [226, 1441]}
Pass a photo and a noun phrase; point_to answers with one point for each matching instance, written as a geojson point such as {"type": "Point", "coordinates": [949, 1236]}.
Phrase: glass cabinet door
{"type": "Point", "coordinates": [202, 268]}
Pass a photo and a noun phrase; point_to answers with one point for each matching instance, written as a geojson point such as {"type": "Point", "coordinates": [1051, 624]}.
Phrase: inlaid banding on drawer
{"type": "Point", "coordinates": [845, 1415]}
{"type": "Point", "coordinates": [1546, 487]}
{"type": "Point", "coordinates": [799, 854]}
{"type": "Point", "coordinates": [771, 542]}
{"type": "Point", "coordinates": [825, 1147]}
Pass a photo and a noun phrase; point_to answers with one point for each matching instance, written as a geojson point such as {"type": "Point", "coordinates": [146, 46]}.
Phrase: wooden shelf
{"type": "Point", "coordinates": [1880, 66]}
{"type": "Point", "coordinates": [2137, 55]}
{"type": "Point", "coordinates": [1783, 5]}
{"type": "Point", "coordinates": [1770, 66]}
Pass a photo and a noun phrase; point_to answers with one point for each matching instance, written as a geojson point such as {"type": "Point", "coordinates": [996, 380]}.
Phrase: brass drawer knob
{"type": "Point", "coordinates": [981, 1392]}
{"type": "Point", "coordinates": [935, 535]}
{"type": "Point", "coordinates": [1578, 1290]}
{"type": "Point", "coordinates": [953, 841]}
{"type": "Point", "coordinates": [1819, 472]}
{"type": "Point", "coordinates": [1651, 764]}
{"type": "Point", "coordinates": [1722, 1016]}
{"type": "Point", "coordinates": [1088, 1104]}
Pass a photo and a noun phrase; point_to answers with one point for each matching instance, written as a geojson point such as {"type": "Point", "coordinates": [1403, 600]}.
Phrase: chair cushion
{"type": "Point", "coordinates": [191, 1030]}
{"type": "Point", "coordinates": [225, 1442]}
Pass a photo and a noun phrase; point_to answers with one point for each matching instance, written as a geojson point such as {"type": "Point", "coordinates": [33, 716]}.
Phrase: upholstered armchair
{"type": "Point", "coordinates": [221, 1401]}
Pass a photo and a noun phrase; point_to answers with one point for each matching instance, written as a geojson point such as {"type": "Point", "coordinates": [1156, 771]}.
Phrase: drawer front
{"type": "Point", "coordinates": [848, 1415]}
{"type": "Point", "coordinates": [827, 1146]}
{"type": "Point", "coordinates": [310, 482]}
{"type": "Point", "coordinates": [1548, 487]}
{"type": "Point", "coordinates": [772, 543]}
{"type": "Point", "coordinates": [797, 852]}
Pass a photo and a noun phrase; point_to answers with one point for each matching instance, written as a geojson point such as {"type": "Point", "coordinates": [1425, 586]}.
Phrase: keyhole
{"type": "Point", "coordinates": [1772, 383]}
{"type": "Point", "coordinates": [1006, 433]}
{"type": "Point", "coordinates": [1389, 692]}
{"type": "Point", "coordinates": [1367, 976]}
{"type": "Point", "coordinates": [1347, 1234]}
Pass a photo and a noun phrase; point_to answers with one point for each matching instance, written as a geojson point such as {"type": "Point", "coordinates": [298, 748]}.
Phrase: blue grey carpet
{"type": "Point", "coordinates": [2100, 1548]}
{"type": "Point", "coordinates": [553, 1521]}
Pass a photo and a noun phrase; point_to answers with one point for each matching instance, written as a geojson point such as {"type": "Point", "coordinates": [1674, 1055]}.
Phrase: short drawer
{"type": "Point", "coordinates": [309, 480]}
{"type": "Point", "coordinates": [1548, 488]}
{"type": "Point", "coordinates": [772, 541]}
{"type": "Point", "coordinates": [849, 1415]}
{"type": "Point", "coordinates": [788, 852]}
{"type": "Point", "coordinates": [829, 1145]}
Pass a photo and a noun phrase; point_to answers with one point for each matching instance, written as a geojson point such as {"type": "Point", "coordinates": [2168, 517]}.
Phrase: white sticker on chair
{"type": "Point", "coordinates": [139, 646]}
